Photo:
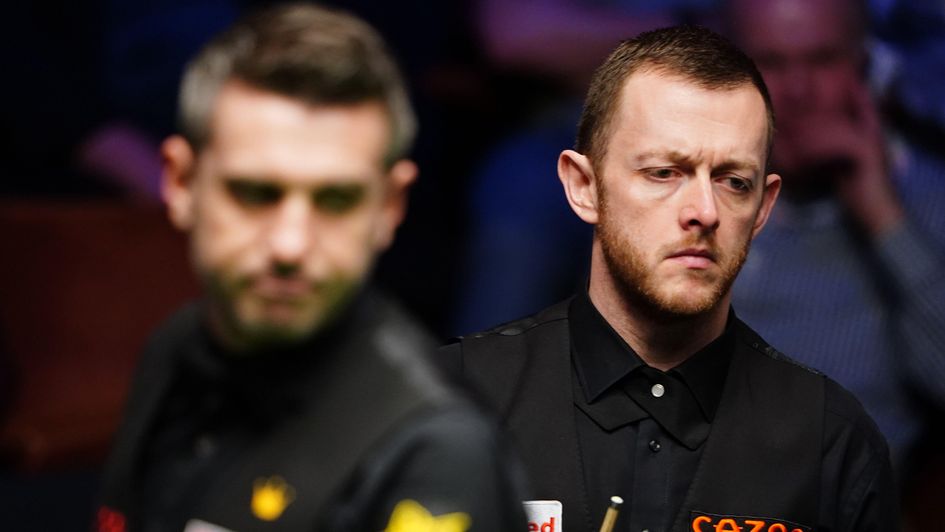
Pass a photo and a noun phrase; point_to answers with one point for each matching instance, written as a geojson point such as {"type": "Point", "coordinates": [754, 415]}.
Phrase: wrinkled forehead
{"type": "Point", "coordinates": [655, 96]}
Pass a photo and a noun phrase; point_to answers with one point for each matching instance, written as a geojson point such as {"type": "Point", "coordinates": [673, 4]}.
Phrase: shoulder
{"type": "Point", "coordinates": [556, 315]}
{"type": "Point", "coordinates": [750, 339]}
{"type": "Point", "coordinates": [855, 466]}
{"type": "Point", "coordinates": [179, 329]}
{"type": "Point", "coordinates": [400, 345]}
{"type": "Point", "coordinates": [449, 461]}
{"type": "Point", "coordinates": [166, 343]}
{"type": "Point", "coordinates": [859, 487]}
{"type": "Point", "coordinates": [500, 353]}
{"type": "Point", "coordinates": [850, 422]}
{"type": "Point", "coordinates": [838, 403]}
{"type": "Point", "coordinates": [393, 321]}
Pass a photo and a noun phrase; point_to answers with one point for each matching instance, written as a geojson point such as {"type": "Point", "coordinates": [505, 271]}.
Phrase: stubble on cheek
{"type": "Point", "coordinates": [650, 287]}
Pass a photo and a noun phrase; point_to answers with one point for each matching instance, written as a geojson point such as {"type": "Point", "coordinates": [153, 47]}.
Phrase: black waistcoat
{"type": "Point", "coordinates": [369, 385]}
{"type": "Point", "coordinates": [762, 458]}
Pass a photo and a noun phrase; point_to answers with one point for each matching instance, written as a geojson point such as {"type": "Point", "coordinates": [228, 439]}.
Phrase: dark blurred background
{"type": "Point", "coordinates": [91, 264]}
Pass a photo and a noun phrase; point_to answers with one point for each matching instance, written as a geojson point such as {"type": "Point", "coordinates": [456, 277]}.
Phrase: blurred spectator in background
{"type": "Point", "coordinates": [848, 275]}
{"type": "Point", "coordinates": [524, 249]}
{"type": "Point", "coordinates": [294, 395]}
{"type": "Point", "coordinates": [908, 68]}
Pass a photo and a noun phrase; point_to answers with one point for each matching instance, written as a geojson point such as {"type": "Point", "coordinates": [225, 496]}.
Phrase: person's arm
{"type": "Point", "coordinates": [858, 489]}
{"type": "Point", "coordinates": [450, 469]}
{"type": "Point", "coordinates": [915, 266]}
{"type": "Point", "coordinates": [872, 505]}
{"type": "Point", "coordinates": [913, 262]}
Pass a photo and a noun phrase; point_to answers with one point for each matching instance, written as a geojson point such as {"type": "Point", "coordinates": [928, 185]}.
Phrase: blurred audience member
{"type": "Point", "coordinates": [848, 275]}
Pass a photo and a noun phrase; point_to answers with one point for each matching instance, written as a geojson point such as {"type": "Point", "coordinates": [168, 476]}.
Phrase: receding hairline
{"type": "Point", "coordinates": [664, 68]}
{"type": "Point", "coordinates": [247, 86]}
{"type": "Point", "coordinates": [312, 54]}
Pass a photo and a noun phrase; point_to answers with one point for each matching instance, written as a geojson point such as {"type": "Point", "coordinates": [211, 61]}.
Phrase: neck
{"type": "Point", "coordinates": [662, 340]}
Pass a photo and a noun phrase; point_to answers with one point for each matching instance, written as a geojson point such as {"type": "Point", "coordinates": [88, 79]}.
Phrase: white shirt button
{"type": "Point", "coordinates": [657, 390]}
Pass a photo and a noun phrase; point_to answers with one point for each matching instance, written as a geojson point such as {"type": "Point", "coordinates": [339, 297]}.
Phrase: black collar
{"type": "Point", "coordinates": [610, 372]}
{"type": "Point", "coordinates": [269, 383]}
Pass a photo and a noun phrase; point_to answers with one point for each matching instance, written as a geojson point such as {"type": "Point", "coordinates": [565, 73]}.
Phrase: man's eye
{"type": "Point", "coordinates": [338, 198]}
{"type": "Point", "coordinates": [254, 194]}
{"type": "Point", "coordinates": [661, 173]}
{"type": "Point", "coordinates": [738, 184]}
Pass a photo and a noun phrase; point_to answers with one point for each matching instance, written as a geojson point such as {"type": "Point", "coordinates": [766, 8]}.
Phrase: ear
{"type": "Point", "coordinates": [768, 199]}
{"type": "Point", "coordinates": [580, 184]}
{"type": "Point", "coordinates": [399, 178]}
{"type": "Point", "coordinates": [177, 178]}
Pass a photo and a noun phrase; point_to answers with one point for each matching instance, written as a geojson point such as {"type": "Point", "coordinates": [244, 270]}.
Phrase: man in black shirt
{"type": "Point", "coordinates": [295, 397]}
{"type": "Point", "coordinates": [647, 385]}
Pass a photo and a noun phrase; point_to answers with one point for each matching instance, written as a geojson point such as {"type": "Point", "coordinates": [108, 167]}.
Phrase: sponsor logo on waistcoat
{"type": "Point", "coordinates": [411, 516]}
{"type": "Point", "coordinates": [543, 516]}
{"type": "Point", "coordinates": [110, 520]}
{"type": "Point", "coordinates": [703, 522]}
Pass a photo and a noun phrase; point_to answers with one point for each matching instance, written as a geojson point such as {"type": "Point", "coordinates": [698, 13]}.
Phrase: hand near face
{"type": "Point", "coordinates": [845, 145]}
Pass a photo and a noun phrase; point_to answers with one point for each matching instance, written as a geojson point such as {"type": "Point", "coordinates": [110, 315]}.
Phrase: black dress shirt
{"type": "Point", "coordinates": [655, 422]}
{"type": "Point", "coordinates": [644, 431]}
{"type": "Point", "coordinates": [738, 433]}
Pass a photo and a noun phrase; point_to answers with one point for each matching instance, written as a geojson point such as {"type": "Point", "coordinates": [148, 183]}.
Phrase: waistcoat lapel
{"type": "Point", "coordinates": [763, 455]}
{"type": "Point", "coordinates": [525, 370]}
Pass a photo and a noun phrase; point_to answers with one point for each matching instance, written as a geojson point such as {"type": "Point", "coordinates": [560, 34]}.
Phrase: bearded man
{"type": "Point", "coordinates": [647, 385]}
{"type": "Point", "coordinates": [295, 396]}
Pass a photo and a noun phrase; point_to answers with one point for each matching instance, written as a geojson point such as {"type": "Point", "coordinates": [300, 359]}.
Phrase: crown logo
{"type": "Point", "coordinates": [270, 497]}
{"type": "Point", "coordinates": [411, 516]}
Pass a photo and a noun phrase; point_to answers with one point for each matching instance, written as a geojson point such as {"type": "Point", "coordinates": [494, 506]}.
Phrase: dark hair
{"type": "Point", "coordinates": [693, 53]}
{"type": "Point", "coordinates": [310, 53]}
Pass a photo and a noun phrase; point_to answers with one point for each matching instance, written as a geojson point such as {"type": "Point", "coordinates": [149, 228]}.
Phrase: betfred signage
{"type": "Point", "coordinates": [543, 516]}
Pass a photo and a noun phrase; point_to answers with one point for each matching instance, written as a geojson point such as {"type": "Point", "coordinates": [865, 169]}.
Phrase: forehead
{"type": "Point", "coordinates": [783, 26]}
{"type": "Point", "coordinates": [660, 112]}
{"type": "Point", "coordinates": [261, 134]}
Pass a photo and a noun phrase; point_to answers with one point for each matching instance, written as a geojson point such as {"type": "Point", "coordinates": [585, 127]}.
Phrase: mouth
{"type": "Point", "coordinates": [277, 288]}
{"type": "Point", "coordinates": [694, 258]}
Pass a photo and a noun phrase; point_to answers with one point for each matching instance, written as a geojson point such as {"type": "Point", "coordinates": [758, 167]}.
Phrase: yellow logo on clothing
{"type": "Point", "coordinates": [270, 497]}
{"type": "Point", "coordinates": [411, 516]}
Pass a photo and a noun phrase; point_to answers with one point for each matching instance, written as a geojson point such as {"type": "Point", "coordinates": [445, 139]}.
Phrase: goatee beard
{"type": "Point", "coordinates": [642, 289]}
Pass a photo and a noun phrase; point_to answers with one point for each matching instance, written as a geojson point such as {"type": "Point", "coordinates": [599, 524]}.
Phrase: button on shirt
{"type": "Point", "coordinates": [654, 423]}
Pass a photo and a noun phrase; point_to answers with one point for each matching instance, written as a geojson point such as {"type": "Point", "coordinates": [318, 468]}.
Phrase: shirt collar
{"type": "Point", "coordinates": [604, 362]}
{"type": "Point", "coordinates": [601, 357]}
{"type": "Point", "coordinates": [271, 380]}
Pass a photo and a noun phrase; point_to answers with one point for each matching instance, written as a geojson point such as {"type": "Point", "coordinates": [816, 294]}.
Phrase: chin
{"type": "Point", "coordinates": [276, 334]}
{"type": "Point", "coordinates": [687, 301]}
{"type": "Point", "coordinates": [267, 325]}
{"type": "Point", "coordinates": [688, 307]}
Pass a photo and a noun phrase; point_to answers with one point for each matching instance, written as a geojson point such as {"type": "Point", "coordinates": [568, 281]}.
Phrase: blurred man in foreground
{"type": "Point", "coordinates": [647, 385]}
{"type": "Point", "coordinates": [295, 397]}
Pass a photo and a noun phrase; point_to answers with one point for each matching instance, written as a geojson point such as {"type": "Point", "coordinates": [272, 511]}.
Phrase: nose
{"type": "Point", "coordinates": [291, 232]}
{"type": "Point", "coordinates": [699, 210]}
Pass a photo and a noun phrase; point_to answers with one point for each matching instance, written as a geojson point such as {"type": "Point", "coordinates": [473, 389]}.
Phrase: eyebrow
{"type": "Point", "coordinates": [680, 158]}
{"type": "Point", "coordinates": [327, 180]}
